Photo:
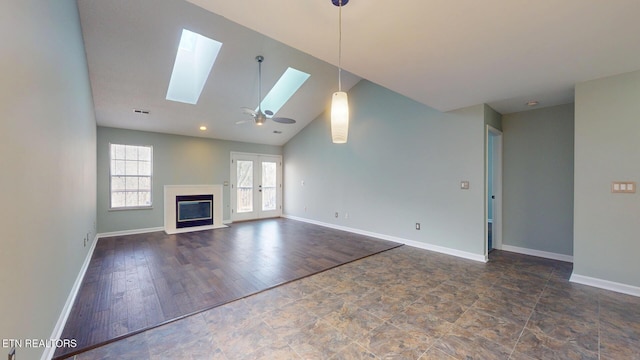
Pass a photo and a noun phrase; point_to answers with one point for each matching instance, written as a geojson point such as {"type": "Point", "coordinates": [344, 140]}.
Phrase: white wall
{"type": "Point", "coordinates": [538, 179]}
{"type": "Point", "coordinates": [607, 148]}
{"type": "Point", "coordinates": [403, 164]}
{"type": "Point", "coordinates": [47, 157]}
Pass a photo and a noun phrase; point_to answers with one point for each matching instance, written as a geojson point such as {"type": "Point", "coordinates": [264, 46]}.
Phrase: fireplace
{"type": "Point", "coordinates": [194, 210]}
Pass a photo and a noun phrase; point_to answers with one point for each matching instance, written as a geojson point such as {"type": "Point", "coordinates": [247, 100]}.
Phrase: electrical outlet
{"type": "Point", "coordinates": [336, 215]}
{"type": "Point", "coordinates": [417, 226]}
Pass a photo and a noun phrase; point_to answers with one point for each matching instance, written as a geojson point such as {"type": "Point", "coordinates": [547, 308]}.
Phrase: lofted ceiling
{"type": "Point", "coordinates": [444, 54]}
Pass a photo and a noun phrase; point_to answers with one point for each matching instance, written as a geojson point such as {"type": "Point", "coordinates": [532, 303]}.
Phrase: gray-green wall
{"type": "Point", "coordinates": [492, 117]}
{"type": "Point", "coordinates": [403, 164]}
{"type": "Point", "coordinates": [47, 157]}
{"type": "Point", "coordinates": [177, 160]}
{"type": "Point", "coordinates": [538, 179]}
{"type": "Point", "coordinates": [607, 148]}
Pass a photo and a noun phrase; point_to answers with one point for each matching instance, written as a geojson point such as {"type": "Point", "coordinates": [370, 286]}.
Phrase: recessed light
{"type": "Point", "coordinates": [533, 103]}
{"type": "Point", "coordinates": [203, 128]}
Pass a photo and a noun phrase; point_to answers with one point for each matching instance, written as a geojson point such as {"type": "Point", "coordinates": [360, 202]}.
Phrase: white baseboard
{"type": "Point", "coordinates": [538, 253]}
{"type": "Point", "coordinates": [68, 305]}
{"type": "Point", "coordinates": [413, 243]}
{"type": "Point", "coordinates": [130, 232]}
{"type": "Point", "coordinates": [227, 222]}
{"type": "Point", "coordinates": [605, 284]}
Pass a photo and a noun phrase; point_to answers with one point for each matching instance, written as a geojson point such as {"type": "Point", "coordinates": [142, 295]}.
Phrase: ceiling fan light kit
{"type": "Point", "coordinates": [339, 101]}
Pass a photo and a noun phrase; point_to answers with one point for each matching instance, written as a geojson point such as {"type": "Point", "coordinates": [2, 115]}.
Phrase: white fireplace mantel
{"type": "Point", "coordinates": [170, 193]}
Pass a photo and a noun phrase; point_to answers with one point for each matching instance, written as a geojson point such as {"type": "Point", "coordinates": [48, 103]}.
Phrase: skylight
{"type": "Point", "coordinates": [284, 89]}
{"type": "Point", "coordinates": [194, 60]}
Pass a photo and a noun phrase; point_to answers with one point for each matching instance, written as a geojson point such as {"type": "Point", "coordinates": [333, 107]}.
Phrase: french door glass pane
{"type": "Point", "coordinates": [245, 186]}
{"type": "Point", "coordinates": [269, 181]}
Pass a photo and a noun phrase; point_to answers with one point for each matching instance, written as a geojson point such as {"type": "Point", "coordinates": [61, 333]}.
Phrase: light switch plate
{"type": "Point", "coordinates": [464, 185]}
{"type": "Point", "coordinates": [623, 187]}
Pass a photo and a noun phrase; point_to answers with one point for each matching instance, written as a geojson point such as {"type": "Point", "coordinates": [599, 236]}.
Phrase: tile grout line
{"type": "Point", "coordinates": [546, 285]}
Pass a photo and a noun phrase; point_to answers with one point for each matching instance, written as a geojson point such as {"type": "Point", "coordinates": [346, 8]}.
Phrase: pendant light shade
{"type": "Point", "coordinates": [339, 117]}
{"type": "Point", "coordinates": [339, 101]}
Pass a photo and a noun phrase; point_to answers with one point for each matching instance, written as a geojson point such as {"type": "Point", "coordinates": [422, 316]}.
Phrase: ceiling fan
{"type": "Point", "coordinates": [260, 117]}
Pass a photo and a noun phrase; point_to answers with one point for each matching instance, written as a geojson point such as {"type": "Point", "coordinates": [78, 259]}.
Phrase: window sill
{"type": "Point", "coordinates": [132, 208]}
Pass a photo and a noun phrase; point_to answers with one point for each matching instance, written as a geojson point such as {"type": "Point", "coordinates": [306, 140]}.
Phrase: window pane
{"type": "Point", "coordinates": [117, 199]}
{"type": "Point", "coordinates": [245, 174]}
{"type": "Point", "coordinates": [269, 182]}
{"type": "Point", "coordinates": [269, 198]}
{"type": "Point", "coordinates": [117, 183]}
{"type": "Point", "coordinates": [117, 151]}
{"type": "Point", "coordinates": [131, 152]}
{"type": "Point", "coordinates": [268, 174]}
{"type": "Point", "coordinates": [145, 198]}
{"type": "Point", "coordinates": [118, 168]}
{"type": "Point", "coordinates": [144, 168]}
{"type": "Point", "coordinates": [245, 200]}
{"type": "Point", "coordinates": [131, 199]}
{"type": "Point", "coordinates": [131, 167]}
{"type": "Point", "coordinates": [144, 153]}
{"type": "Point", "coordinates": [144, 183]}
{"type": "Point", "coordinates": [131, 183]}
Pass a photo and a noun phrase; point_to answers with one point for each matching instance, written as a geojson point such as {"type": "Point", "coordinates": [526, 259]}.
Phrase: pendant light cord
{"type": "Point", "coordinates": [260, 84]}
{"type": "Point", "coordinates": [340, 46]}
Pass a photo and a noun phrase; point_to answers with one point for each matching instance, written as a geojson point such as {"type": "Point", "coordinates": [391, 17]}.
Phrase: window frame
{"type": "Point", "coordinates": [111, 176]}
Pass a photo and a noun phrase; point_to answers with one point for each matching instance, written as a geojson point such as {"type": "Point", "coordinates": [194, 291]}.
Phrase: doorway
{"type": "Point", "coordinates": [493, 233]}
{"type": "Point", "coordinates": [256, 186]}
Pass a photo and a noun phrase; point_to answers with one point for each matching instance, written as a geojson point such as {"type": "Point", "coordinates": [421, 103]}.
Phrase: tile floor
{"type": "Point", "coordinates": [408, 303]}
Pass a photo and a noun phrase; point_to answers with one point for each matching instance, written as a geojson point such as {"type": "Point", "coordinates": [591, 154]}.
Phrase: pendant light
{"type": "Point", "coordinates": [339, 101]}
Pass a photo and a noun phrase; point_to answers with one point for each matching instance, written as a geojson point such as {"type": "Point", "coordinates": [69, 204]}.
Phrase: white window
{"type": "Point", "coordinates": [130, 176]}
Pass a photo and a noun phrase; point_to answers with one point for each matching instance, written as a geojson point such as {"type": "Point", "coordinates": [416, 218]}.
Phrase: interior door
{"type": "Point", "coordinates": [256, 186]}
{"type": "Point", "coordinates": [494, 189]}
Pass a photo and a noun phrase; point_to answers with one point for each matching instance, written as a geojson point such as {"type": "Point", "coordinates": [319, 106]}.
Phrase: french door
{"type": "Point", "coordinates": [256, 186]}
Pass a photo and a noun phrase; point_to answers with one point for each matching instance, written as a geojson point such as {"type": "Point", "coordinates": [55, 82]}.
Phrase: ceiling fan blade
{"type": "Point", "coordinates": [242, 122]}
{"type": "Point", "coordinates": [283, 120]}
{"type": "Point", "coordinates": [249, 111]}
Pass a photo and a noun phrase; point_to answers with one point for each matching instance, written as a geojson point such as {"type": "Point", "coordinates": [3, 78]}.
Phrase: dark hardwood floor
{"type": "Point", "coordinates": [138, 282]}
